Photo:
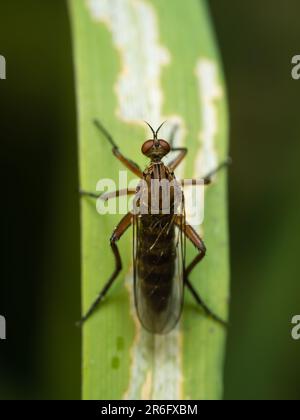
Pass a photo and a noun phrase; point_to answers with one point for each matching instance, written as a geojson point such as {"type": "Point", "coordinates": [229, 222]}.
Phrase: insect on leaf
{"type": "Point", "coordinates": [150, 60]}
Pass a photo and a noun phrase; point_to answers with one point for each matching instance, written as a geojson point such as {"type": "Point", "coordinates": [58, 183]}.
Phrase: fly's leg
{"type": "Point", "coordinates": [206, 309]}
{"type": "Point", "coordinates": [207, 179]}
{"type": "Point", "coordinates": [132, 166]}
{"type": "Point", "coordinates": [179, 158]}
{"type": "Point", "coordinates": [182, 150]}
{"type": "Point", "coordinates": [118, 193]}
{"type": "Point", "coordinates": [117, 234]}
{"type": "Point", "coordinates": [172, 136]}
{"type": "Point", "coordinates": [193, 236]}
{"type": "Point", "coordinates": [108, 195]}
{"type": "Point", "coordinates": [84, 193]}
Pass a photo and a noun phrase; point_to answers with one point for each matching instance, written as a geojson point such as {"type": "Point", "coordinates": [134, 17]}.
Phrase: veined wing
{"type": "Point", "coordinates": [158, 271]}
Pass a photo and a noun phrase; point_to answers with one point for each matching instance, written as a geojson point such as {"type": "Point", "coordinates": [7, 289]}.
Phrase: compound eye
{"type": "Point", "coordinates": [147, 146]}
{"type": "Point", "coordinates": [165, 145]}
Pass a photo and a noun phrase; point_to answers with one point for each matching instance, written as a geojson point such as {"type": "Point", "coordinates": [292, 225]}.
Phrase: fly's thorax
{"type": "Point", "coordinates": [159, 192]}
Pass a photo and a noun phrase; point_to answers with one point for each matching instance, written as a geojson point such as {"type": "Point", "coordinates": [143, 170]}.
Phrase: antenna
{"type": "Point", "coordinates": [154, 134]}
{"type": "Point", "coordinates": [159, 128]}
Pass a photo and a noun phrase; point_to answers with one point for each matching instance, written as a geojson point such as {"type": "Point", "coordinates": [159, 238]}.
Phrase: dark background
{"type": "Point", "coordinates": [39, 213]}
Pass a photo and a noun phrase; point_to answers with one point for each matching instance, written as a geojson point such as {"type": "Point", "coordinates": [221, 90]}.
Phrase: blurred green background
{"type": "Point", "coordinates": [40, 284]}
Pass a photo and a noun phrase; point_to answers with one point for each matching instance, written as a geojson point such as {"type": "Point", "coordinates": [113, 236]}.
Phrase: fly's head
{"type": "Point", "coordinates": [155, 149]}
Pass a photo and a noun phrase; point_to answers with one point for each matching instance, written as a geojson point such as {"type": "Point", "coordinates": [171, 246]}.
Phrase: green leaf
{"type": "Point", "coordinates": [149, 60]}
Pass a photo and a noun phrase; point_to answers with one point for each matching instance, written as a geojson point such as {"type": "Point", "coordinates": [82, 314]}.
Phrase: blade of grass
{"type": "Point", "coordinates": [149, 60]}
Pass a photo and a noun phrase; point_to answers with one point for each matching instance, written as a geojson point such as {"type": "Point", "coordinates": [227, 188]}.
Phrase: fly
{"type": "Point", "coordinates": [160, 270]}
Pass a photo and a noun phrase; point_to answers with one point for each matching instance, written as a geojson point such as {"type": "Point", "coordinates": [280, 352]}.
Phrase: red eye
{"type": "Point", "coordinates": [165, 145]}
{"type": "Point", "coordinates": [147, 146]}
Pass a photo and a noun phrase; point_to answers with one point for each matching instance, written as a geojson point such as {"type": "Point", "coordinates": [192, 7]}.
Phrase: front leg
{"type": "Point", "coordinates": [132, 166]}
{"type": "Point", "coordinates": [181, 155]}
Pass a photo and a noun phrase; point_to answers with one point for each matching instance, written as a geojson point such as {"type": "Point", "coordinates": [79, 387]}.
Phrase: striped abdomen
{"type": "Point", "coordinates": [156, 258]}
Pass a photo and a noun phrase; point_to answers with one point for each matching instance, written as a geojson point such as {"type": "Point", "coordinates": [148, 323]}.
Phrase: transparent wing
{"type": "Point", "coordinates": [158, 272]}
